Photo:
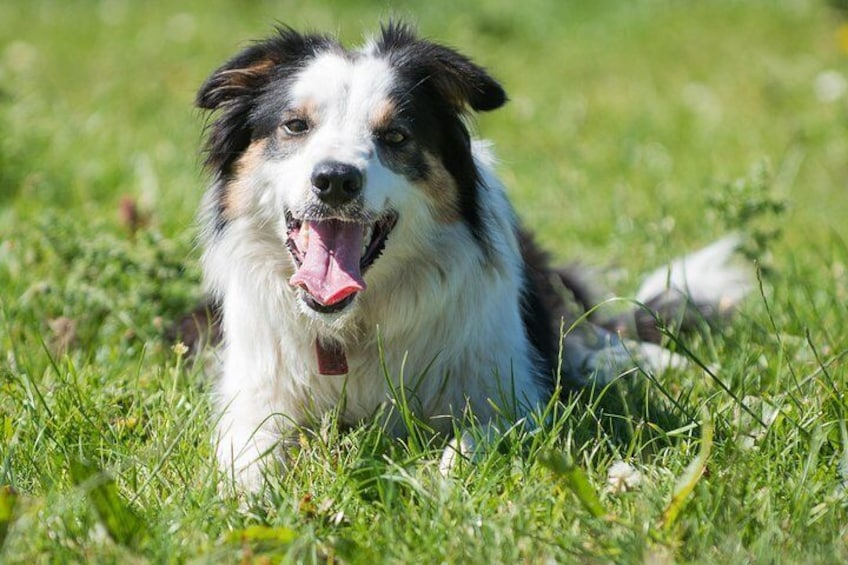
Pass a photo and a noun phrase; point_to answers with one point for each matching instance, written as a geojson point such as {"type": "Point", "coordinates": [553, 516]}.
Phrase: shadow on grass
{"type": "Point", "coordinates": [632, 414]}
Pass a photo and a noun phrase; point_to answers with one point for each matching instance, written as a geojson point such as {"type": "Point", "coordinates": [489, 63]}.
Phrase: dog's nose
{"type": "Point", "coordinates": [336, 183]}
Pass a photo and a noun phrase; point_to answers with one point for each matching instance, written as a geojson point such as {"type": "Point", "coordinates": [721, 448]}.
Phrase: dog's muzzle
{"type": "Point", "coordinates": [332, 255]}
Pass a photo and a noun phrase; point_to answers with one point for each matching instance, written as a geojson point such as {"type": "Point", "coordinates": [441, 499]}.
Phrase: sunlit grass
{"type": "Point", "coordinates": [636, 131]}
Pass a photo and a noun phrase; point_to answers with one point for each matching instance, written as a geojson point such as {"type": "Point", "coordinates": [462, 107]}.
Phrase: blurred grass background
{"type": "Point", "coordinates": [622, 113]}
{"type": "Point", "coordinates": [636, 131]}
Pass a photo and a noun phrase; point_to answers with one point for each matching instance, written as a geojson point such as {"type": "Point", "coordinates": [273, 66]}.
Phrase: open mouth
{"type": "Point", "coordinates": [332, 255]}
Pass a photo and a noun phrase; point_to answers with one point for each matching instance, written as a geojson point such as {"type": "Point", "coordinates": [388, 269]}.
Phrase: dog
{"type": "Point", "coordinates": [358, 243]}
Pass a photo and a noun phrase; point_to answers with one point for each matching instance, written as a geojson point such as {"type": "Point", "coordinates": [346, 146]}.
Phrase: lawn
{"type": "Point", "coordinates": [636, 131]}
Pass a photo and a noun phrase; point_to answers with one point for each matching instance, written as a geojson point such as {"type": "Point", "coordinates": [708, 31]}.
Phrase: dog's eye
{"type": "Point", "coordinates": [393, 137]}
{"type": "Point", "coordinates": [296, 126]}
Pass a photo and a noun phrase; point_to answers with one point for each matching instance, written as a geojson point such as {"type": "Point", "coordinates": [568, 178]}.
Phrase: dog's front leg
{"type": "Point", "coordinates": [247, 441]}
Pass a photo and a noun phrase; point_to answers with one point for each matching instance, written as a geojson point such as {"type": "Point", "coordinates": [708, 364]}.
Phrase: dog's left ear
{"type": "Point", "coordinates": [455, 76]}
{"type": "Point", "coordinates": [465, 81]}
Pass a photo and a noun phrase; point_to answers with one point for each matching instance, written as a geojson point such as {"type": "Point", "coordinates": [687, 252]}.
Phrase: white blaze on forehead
{"type": "Point", "coordinates": [345, 92]}
{"type": "Point", "coordinates": [345, 97]}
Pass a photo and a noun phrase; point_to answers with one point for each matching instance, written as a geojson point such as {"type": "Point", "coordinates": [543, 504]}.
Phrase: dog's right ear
{"type": "Point", "coordinates": [233, 89]}
{"type": "Point", "coordinates": [240, 76]}
{"type": "Point", "coordinates": [251, 69]}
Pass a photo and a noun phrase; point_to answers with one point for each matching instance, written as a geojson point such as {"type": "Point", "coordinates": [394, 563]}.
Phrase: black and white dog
{"type": "Point", "coordinates": [353, 225]}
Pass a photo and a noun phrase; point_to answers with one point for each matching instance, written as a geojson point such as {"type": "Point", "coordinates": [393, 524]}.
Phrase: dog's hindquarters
{"type": "Point", "coordinates": [693, 292]}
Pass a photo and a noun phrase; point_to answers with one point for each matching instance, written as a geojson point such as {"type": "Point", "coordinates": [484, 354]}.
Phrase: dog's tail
{"type": "Point", "coordinates": [694, 292]}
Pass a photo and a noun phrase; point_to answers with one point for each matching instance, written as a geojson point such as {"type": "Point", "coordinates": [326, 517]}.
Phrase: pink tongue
{"type": "Point", "coordinates": [330, 269]}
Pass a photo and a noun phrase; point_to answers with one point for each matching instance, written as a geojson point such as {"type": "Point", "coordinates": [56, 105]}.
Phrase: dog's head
{"type": "Point", "coordinates": [339, 152]}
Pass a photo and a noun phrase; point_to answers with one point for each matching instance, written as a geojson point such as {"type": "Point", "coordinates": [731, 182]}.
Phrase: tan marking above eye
{"type": "Point", "coordinates": [299, 120]}
{"type": "Point", "coordinates": [383, 115]}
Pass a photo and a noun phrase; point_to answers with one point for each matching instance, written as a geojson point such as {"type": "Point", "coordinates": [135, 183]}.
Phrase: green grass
{"type": "Point", "coordinates": [636, 131]}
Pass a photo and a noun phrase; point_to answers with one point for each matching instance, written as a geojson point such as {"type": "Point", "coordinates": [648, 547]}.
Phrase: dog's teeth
{"type": "Point", "coordinates": [303, 236]}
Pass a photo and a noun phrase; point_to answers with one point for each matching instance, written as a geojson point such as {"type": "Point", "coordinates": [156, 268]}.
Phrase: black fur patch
{"type": "Point", "coordinates": [542, 307]}
{"type": "Point", "coordinates": [246, 91]}
{"type": "Point", "coordinates": [459, 81]}
{"type": "Point", "coordinates": [436, 89]}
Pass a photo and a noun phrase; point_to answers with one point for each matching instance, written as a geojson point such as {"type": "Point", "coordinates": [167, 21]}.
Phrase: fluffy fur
{"type": "Point", "coordinates": [318, 152]}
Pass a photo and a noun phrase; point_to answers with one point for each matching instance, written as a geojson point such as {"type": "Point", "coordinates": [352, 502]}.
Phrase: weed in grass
{"type": "Point", "coordinates": [749, 205]}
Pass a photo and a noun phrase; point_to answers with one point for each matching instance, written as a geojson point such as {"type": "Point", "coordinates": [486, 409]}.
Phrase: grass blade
{"type": "Point", "coordinates": [563, 465]}
{"type": "Point", "coordinates": [8, 501]}
{"type": "Point", "coordinates": [262, 534]}
{"type": "Point", "coordinates": [122, 524]}
{"type": "Point", "coordinates": [691, 475]}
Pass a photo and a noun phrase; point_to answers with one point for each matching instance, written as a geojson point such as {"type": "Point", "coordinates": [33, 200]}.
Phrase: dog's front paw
{"type": "Point", "coordinates": [238, 480]}
{"type": "Point", "coordinates": [243, 455]}
{"type": "Point", "coordinates": [461, 449]}
{"type": "Point", "coordinates": [457, 450]}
